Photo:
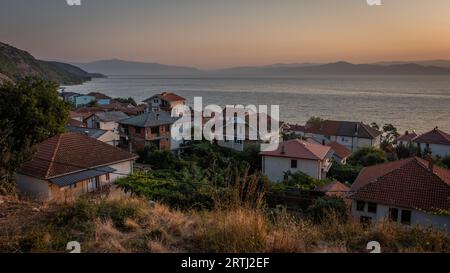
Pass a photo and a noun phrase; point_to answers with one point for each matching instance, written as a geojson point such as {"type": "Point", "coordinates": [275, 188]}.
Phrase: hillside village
{"type": "Point", "coordinates": [312, 150]}
{"type": "Point", "coordinates": [372, 173]}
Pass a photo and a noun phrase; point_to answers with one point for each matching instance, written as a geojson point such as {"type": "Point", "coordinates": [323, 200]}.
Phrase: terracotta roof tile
{"type": "Point", "coordinates": [406, 183]}
{"type": "Point", "coordinates": [71, 152]}
{"type": "Point", "coordinates": [343, 128]}
{"type": "Point", "coordinates": [99, 95]}
{"type": "Point", "coordinates": [434, 136]}
{"type": "Point", "coordinates": [408, 136]}
{"type": "Point", "coordinates": [335, 188]}
{"type": "Point", "coordinates": [167, 96]}
{"type": "Point", "coordinates": [297, 148]}
{"type": "Point", "coordinates": [75, 123]}
{"type": "Point", "coordinates": [340, 150]}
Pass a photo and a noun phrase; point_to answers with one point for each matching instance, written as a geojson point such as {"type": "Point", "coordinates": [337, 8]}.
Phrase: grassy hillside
{"type": "Point", "coordinates": [16, 64]}
{"type": "Point", "coordinates": [118, 223]}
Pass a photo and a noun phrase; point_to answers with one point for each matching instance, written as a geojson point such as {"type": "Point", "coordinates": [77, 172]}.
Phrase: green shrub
{"type": "Point", "coordinates": [322, 207]}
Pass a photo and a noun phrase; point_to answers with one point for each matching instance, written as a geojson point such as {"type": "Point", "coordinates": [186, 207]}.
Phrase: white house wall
{"type": "Point", "coordinates": [33, 187]}
{"type": "Point", "coordinates": [418, 218]}
{"type": "Point", "coordinates": [275, 167]}
{"type": "Point", "coordinates": [123, 169]}
{"type": "Point", "coordinates": [437, 149]}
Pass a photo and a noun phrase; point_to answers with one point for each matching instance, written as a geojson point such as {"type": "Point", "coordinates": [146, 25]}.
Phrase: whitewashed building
{"type": "Point", "coordinates": [435, 141]}
{"type": "Point", "coordinates": [294, 156]}
{"type": "Point", "coordinates": [352, 135]}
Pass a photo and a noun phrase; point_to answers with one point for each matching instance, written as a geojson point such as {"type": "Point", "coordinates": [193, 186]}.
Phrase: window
{"type": "Point", "coordinates": [406, 217]}
{"type": "Point", "coordinates": [372, 208]}
{"type": "Point", "coordinates": [294, 164]}
{"type": "Point", "coordinates": [138, 130]}
{"type": "Point", "coordinates": [167, 128]}
{"type": "Point", "coordinates": [107, 176]}
{"type": "Point", "coordinates": [154, 130]}
{"type": "Point", "coordinates": [73, 186]}
{"type": "Point", "coordinates": [360, 205]}
{"type": "Point", "coordinates": [393, 214]}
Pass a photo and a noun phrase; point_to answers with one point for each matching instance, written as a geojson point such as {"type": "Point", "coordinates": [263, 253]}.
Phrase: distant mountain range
{"type": "Point", "coordinates": [438, 63]}
{"type": "Point", "coordinates": [16, 64]}
{"type": "Point", "coordinates": [126, 68]}
{"type": "Point", "coordinates": [121, 67]}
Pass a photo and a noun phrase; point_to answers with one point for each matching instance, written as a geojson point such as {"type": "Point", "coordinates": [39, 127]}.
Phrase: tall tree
{"type": "Point", "coordinates": [30, 112]}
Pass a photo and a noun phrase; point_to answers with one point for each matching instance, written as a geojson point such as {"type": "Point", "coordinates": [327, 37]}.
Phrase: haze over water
{"type": "Point", "coordinates": [409, 102]}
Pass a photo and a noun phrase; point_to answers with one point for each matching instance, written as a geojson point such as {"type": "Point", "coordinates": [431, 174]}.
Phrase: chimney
{"type": "Point", "coordinates": [157, 116]}
{"type": "Point", "coordinates": [430, 160]}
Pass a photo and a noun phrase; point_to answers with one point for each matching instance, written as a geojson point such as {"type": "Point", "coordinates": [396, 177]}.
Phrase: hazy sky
{"type": "Point", "coordinates": [221, 33]}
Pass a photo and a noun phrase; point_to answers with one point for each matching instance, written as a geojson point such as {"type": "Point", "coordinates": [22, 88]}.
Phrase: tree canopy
{"type": "Point", "coordinates": [30, 112]}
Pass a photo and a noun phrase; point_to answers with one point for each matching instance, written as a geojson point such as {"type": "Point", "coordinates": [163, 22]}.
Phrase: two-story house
{"type": "Point", "coordinates": [352, 135]}
{"type": "Point", "coordinates": [152, 128]}
{"type": "Point", "coordinates": [436, 142]}
{"type": "Point", "coordinates": [164, 102]}
{"type": "Point", "coordinates": [410, 191]}
{"type": "Point", "coordinates": [294, 156]}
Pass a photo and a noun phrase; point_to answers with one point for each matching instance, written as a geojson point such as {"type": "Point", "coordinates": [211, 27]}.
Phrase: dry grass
{"type": "Point", "coordinates": [121, 224]}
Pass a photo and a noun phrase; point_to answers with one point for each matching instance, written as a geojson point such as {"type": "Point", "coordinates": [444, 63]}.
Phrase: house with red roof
{"type": "Point", "coordinates": [165, 101]}
{"type": "Point", "coordinates": [352, 135]}
{"type": "Point", "coordinates": [72, 164]}
{"type": "Point", "coordinates": [406, 139]}
{"type": "Point", "coordinates": [341, 153]}
{"type": "Point", "coordinates": [294, 156]}
{"type": "Point", "coordinates": [436, 142]}
{"type": "Point", "coordinates": [411, 191]}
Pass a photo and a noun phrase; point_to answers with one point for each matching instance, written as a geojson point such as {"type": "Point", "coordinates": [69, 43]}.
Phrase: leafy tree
{"type": "Point", "coordinates": [367, 156]}
{"type": "Point", "coordinates": [446, 161]}
{"type": "Point", "coordinates": [344, 173]}
{"type": "Point", "coordinates": [93, 103]}
{"type": "Point", "coordinates": [375, 125]}
{"type": "Point", "coordinates": [299, 180]}
{"type": "Point", "coordinates": [406, 151]}
{"type": "Point", "coordinates": [390, 134]}
{"type": "Point", "coordinates": [129, 100]}
{"type": "Point", "coordinates": [314, 121]}
{"type": "Point", "coordinates": [30, 112]}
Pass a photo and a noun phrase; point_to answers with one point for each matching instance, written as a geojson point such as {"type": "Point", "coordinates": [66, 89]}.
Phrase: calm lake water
{"type": "Point", "coordinates": [408, 102]}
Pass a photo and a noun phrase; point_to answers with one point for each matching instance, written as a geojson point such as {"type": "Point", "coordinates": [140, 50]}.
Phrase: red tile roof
{"type": "Point", "coordinates": [71, 152]}
{"type": "Point", "coordinates": [340, 150]}
{"type": "Point", "coordinates": [301, 149]}
{"type": "Point", "coordinates": [168, 96]}
{"type": "Point", "coordinates": [75, 123]}
{"type": "Point", "coordinates": [343, 128]}
{"type": "Point", "coordinates": [335, 188]}
{"type": "Point", "coordinates": [99, 95]}
{"type": "Point", "coordinates": [407, 183]}
{"type": "Point", "coordinates": [434, 136]}
{"type": "Point", "coordinates": [408, 136]}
